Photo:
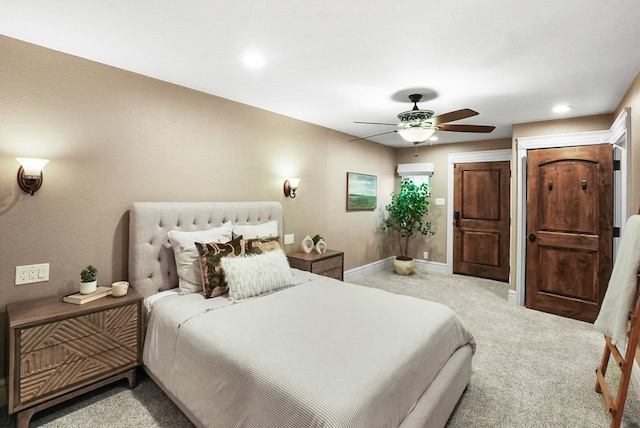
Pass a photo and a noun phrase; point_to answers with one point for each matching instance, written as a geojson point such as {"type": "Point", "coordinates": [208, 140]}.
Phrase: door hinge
{"type": "Point", "coordinates": [616, 232]}
{"type": "Point", "coordinates": [617, 166]}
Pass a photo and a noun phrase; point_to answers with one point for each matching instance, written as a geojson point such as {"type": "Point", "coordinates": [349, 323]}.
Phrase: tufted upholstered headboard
{"type": "Point", "coordinates": [152, 266]}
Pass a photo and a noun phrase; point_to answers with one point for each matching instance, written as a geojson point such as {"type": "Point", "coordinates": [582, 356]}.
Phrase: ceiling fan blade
{"type": "Point", "coordinates": [453, 115]}
{"type": "Point", "coordinates": [467, 128]}
{"type": "Point", "coordinates": [376, 123]}
{"type": "Point", "coordinates": [374, 135]}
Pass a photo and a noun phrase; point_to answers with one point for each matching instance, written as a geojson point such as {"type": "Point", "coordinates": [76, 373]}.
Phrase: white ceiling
{"type": "Point", "coordinates": [332, 62]}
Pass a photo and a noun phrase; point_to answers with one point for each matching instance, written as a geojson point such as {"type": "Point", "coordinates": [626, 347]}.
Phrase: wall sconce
{"type": "Point", "coordinates": [30, 174]}
{"type": "Point", "coordinates": [290, 187]}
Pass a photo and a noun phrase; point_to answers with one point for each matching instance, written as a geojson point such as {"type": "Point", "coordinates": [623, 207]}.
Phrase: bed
{"type": "Point", "coordinates": [316, 353]}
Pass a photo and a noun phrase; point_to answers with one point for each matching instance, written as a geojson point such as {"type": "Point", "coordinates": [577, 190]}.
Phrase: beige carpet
{"type": "Point", "coordinates": [531, 369]}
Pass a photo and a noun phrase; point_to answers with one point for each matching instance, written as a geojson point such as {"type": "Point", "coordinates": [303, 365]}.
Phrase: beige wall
{"type": "Point", "coordinates": [439, 155]}
{"type": "Point", "coordinates": [114, 137]}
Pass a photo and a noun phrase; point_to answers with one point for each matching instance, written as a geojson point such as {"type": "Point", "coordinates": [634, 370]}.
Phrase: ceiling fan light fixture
{"type": "Point", "coordinates": [416, 134]}
{"type": "Point", "coordinates": [415, 126]}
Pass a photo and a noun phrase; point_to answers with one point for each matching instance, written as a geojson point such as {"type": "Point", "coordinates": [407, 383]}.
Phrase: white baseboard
{"type": "Point", "coordinates": [433, 266]}
{"type": "Point", "coordinates": [512, 297]}
{"type": "Point", "coordinates": [367, 269]}
{"type": "Point", "coordinates": [387, 263]}
{"type": "Point", "coordinates": [635, 376]}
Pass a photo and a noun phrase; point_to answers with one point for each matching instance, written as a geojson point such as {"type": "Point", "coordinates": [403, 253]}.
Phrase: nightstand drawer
{"type": "Point", "coordinates": [74, 372]}
{"type": "Point", "coordinates": [326, 265]}
{"type": "Point", "coordinates": [46, 335]}
{"type": "Point", "coordinates": [51, 357]}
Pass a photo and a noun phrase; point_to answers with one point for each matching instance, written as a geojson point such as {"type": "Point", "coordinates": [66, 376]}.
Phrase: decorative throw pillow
{"type": "Point", "coordinates": [186, 254]}
{"type": "Point", "coordinates": [251, 231]}
{"type": "Point", "coordinates": [261, 245]}
{"type": "Point", "coordinates": [257, 274]}
{"type": "Point", "coordinates": [211, 254]}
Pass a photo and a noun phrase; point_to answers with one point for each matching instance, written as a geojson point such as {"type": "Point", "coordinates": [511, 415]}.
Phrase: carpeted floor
{"type": "Point", "coordinates": [531, 369]}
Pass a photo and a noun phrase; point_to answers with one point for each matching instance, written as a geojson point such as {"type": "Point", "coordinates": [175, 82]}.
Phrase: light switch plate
{"type": "Point", "coordinates": [439, 201]}
{"type": "Point", "coordinates": [289, 239]}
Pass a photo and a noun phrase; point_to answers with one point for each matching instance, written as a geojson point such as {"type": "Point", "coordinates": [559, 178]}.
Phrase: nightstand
{"type": "Point", "coordinates": [59, 350]}
{"type": "Point", "coordinates": [330, 264]}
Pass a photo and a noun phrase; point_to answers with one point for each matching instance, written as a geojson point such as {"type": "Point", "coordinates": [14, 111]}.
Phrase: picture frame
{"type": "Point", "coordinates": [362, 192]}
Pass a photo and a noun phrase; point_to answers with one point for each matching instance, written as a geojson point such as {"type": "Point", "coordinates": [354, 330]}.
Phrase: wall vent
{"type": "Point", "coordinates": [406, 169]}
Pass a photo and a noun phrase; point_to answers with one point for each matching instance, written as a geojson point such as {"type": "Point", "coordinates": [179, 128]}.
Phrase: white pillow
{"type": "Point", "coordinates": [186, 253]}
{"type": "Point", "coordinates": [254, 275]}
{"type": "Point", "coordinates": [251, 231]}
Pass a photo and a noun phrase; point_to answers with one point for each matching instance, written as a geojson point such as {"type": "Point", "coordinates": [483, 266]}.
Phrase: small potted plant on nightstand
{"type": "Point", "coordinates": [88, 282]}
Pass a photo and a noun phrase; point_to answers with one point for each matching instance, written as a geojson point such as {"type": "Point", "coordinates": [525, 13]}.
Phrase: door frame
{"type": "Point", "coordinates": [616, 136]}
{"type": "Point", "coordinates": [469, 157]}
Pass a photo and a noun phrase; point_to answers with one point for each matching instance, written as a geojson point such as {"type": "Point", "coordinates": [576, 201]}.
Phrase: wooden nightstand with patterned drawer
{"type": "Point", "coordinates": [330, 264]}
{"type": "Point", "coordinates": [59, 350]}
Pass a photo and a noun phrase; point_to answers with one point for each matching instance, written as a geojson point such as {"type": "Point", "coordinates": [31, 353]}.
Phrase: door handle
{"type": "Point", "coordinates": [532, 238]}
{"type": "Point", "coordinates": [456, 217]}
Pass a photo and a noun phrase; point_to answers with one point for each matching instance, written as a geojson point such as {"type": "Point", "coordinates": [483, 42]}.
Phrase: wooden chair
{"type": "Point", "coordinates": [625, 364]}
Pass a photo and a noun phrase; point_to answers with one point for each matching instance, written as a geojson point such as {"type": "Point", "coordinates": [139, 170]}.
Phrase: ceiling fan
{"type": "Point", "coordinates": [417, 125]}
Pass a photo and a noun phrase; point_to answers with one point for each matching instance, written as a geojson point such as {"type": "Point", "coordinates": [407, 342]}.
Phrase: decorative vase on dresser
{"type": "Point", "coordinates": [321, 247]}
{"type": "Point", "coordinates": [307, 244]}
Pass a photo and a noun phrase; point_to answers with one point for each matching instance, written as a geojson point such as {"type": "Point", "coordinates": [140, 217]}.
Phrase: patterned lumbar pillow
{"type": "Point", "coordinates": [261, 245]}
{"type": "Point", "coordinates": [211, 255]}
{"type": "Point", "coordinates": [268, 229]}
{"type": "Point", "coordinates": [257, 274]}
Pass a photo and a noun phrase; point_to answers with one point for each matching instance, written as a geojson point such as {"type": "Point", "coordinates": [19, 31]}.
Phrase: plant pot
{"type": "Point", "coordinates": [88, 287]}
{"type": "Point", "coordinates": [404, 265]}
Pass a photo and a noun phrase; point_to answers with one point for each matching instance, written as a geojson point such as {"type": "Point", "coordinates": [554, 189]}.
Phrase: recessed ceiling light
{"type": "Point", "coordinates": [253, 60]}
{"type": "Point", "coordinates": [561, 108]}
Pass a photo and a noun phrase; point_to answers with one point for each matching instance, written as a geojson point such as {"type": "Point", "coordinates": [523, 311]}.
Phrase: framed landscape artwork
{"type": "Point", "coordinates": [362, 191]}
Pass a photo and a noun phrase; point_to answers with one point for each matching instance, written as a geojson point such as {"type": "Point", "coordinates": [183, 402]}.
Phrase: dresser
{"type": "Point", "coordinates": [330, 263]}
{"type": "Point", "coordinates": [60, 350]}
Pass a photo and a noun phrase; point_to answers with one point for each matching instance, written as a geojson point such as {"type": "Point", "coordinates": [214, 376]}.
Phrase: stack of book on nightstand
{"type": "Point", "coordinates": [79, 298]}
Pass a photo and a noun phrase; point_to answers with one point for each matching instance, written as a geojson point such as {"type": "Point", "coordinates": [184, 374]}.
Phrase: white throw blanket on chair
{"type": "Point", "coordinates": [613, 318]}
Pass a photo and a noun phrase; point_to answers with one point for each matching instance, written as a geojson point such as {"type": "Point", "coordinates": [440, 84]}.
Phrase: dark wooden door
{"type": "Point", "coordinates": [569, 229]}
{"type": "Point", "coordinates": [481, 220]}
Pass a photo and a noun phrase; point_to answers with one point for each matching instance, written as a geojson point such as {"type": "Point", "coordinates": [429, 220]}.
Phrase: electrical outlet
{"type": "Point", "coordinates": [29, 274]}
{"type": "Point", "coordinates": [289, 239]}
{"type": "Point", "coordinates": [425, 255]}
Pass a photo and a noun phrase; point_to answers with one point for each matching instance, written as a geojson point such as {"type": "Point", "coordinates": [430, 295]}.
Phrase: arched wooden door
{"type": "Point", "coordinates": [569, 229]}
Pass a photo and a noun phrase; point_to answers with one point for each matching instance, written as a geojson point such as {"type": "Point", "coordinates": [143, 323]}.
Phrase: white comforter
{"type": "Point", "coordinates": [320, 354]}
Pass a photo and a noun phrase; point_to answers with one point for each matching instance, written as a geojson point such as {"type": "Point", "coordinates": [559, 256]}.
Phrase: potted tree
{"type": "Point", "coordinates": [88, 281]}
{"type": "Point", "coordinates": [407, 212]}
